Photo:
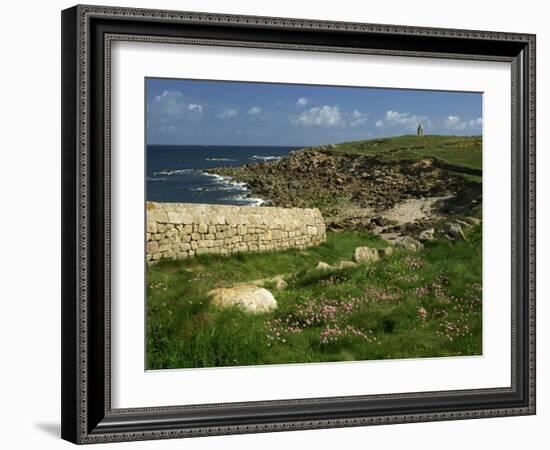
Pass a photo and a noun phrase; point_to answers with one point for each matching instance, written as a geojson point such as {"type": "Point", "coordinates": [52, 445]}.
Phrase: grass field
{"type": "Point", "coordinates": [409, 305]}
{"type": "Point", "coordinates": [460, 151]}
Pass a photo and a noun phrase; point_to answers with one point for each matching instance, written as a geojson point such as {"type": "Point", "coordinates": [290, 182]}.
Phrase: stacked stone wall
{"type": "Point", "coordinates": [182, 230]}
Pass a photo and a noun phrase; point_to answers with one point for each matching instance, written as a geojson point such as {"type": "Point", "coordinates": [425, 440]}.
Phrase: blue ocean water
{"type": "Point", "coordinates": [176, 173]}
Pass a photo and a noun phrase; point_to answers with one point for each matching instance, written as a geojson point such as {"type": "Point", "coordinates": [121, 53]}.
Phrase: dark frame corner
{"type": "Point", "coordinates": [87, 416]}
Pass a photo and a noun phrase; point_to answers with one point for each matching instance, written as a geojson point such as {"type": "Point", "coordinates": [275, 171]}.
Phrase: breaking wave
{"type": "Point", "coordinates": [265, 158]}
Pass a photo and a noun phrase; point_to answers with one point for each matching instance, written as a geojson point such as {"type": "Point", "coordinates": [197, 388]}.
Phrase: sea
{"type": "Point", "coordinates": [177, 173]}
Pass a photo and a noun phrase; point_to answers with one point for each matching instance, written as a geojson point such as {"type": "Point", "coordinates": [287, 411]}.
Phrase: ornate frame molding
{"type": "Point", "coordinates": [80, 418]}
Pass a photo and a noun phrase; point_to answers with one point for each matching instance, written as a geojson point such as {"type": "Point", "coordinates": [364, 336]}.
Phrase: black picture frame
{"type": "Point", "coordinates": [87, 415]}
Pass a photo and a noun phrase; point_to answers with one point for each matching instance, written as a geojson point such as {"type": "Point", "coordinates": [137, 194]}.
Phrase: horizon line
{"type": "Point", "coordinates": [312, 145]}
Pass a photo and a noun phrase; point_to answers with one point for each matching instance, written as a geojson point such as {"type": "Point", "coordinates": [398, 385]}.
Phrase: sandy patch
{"type": "Point", "coordinates": [412, 210]}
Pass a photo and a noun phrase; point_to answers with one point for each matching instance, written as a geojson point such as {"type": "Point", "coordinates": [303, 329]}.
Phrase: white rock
{"type": "Point", "coordinates": [322, 266]}
{"type": "Point", "coordinates": [426, 235]}
{"type": "Point", "coordinates": [408, 243]}
{"type": "Point", "coordinates": [364, 254]}
{"type": "Point", "coordinates": [252, 299]}
{"type": "Point", "coordinates": [347, 264]}
{"type": "Point", "coordinates": [280, 283]}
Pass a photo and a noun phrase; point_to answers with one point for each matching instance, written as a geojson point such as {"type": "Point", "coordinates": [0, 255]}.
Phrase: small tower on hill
{"type": "Point", "coordinates": [420, 130]}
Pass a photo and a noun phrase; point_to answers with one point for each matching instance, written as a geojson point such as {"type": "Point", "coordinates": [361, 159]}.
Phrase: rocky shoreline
{"type": "Point", "coordinates": [354, 191]}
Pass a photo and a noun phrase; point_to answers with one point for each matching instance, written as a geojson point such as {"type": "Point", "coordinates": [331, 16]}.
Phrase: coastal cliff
{"type": "Point", "coordinates": [360, 180]}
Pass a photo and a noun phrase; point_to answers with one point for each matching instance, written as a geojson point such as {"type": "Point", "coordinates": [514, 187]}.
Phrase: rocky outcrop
{"type": "Point", "coordinates": [349, 189]}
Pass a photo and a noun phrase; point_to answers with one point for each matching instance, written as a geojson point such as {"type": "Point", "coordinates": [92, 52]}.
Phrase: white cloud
{"type": "Point", "coordinates": [169, 102]}
{"type": "Point", "coordinates": [168, 95]}
{"type": "Point", "coordinates": [328, 116]}
{"type": "Point", "coordinates": [357, 118]}
{"type": "Point", "coordinates": [399, 119]}
{"type": "Point", "coordinates": [171, 109]}
{"type": "Point", "coordinates": [477, 123]}
{"type": "Point", "coordinates": [227, 113]}
{"type": "Point", "coordinates": [195, 107]}
{"type": "Point", "coordinates": [255, 110]}
{"type": "Point", "coordinates": [455, 123]}
{"type": "Point", "coordinates": [302, 101]}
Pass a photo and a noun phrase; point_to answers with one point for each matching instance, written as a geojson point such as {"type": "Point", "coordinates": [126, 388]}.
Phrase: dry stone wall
{"type": "Point", "coordinates": [182, 230]}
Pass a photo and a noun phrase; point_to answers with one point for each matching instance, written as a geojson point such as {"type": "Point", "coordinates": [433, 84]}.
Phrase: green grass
{"type": "Point", "coordinates": [459, 151]}
{"type": "Point", "coordinates": [422, 304]}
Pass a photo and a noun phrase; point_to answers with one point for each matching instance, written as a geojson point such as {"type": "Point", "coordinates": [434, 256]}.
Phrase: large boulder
{"type": "Point", "coordinates": [250, 298]}
{"type": "Point", "coordinates": [365, 254]}
{"type": "Point", "coordinates": [408, 243]}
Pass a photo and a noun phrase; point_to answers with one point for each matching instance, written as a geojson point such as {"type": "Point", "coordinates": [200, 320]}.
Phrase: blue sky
{"type": "Point", "coordinates": [196, 112]}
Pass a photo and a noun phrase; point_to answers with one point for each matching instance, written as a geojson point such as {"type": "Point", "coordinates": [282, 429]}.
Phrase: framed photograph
{"type": "Point", "coordinates": [279, 224]}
